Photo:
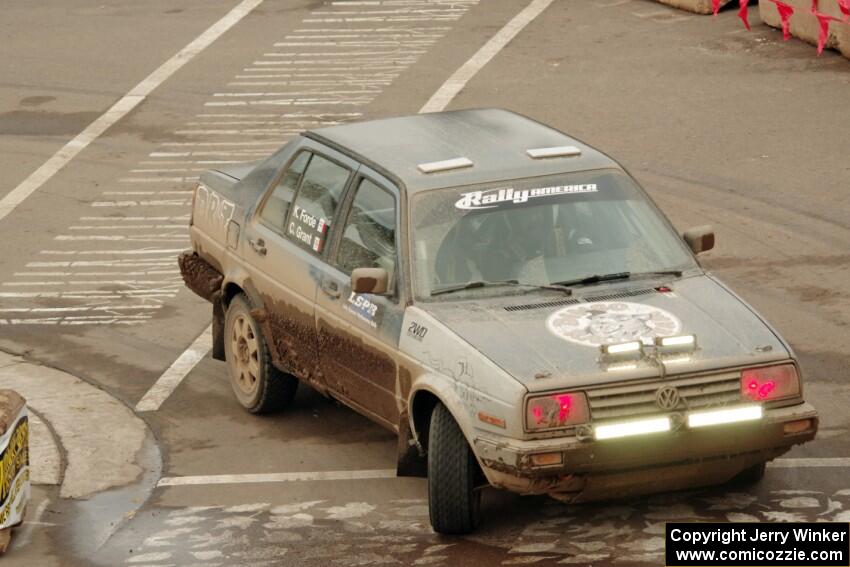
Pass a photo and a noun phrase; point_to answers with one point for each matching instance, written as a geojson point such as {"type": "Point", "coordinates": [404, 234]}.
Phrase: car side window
{"type": "Point", "coordinates": [315, 204]}
{"type": "Point", "coordinates": [368, 239]}
{"type": "Point", "coordinates": [276, 207]}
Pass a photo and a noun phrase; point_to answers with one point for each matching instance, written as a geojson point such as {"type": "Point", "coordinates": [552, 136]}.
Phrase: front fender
{"type": "Point", "coordinates": [445, 390]}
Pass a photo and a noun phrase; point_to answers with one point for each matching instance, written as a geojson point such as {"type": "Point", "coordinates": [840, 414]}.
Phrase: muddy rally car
{"type": "Point", "coordinates": [504, 297]}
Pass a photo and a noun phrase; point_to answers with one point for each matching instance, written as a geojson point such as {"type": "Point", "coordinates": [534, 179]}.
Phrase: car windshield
{"type": "Point", "coordinates": [539, 231]}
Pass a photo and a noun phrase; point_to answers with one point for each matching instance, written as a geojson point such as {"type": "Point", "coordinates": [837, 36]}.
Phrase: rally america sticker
{"type": "Point", "coordinates": [493, 198]}
{"type": "Point", "coordinates": [611, 322]}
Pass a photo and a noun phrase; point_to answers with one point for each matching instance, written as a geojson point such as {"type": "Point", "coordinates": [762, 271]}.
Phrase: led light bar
{"type": "Point", "coordinates": [556, 151]}
{"type": "Point", "coordinates": [718, 417]}
{"type": "Point", "coordinates": [632, 428]}
{"type": "Point", "coordinates": [445, 165]}
{"type": "Point", "coordinates": [680, 341]}
{"type": "Point", "coordinates": [622, 348]}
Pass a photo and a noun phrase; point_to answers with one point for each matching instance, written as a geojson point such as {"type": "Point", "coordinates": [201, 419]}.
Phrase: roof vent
{"type": "Point", "coordinates": [557, 151]}
{"type": "Point", "coordinates": [445, 165]}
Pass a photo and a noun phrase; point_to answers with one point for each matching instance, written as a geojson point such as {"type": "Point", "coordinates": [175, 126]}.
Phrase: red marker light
{"type": "Point", "coordinates": [770, 383]}
{"type": "Point", "coordinates": [555, 411]}
{"type": "Point", "coordinates": [564, 403]}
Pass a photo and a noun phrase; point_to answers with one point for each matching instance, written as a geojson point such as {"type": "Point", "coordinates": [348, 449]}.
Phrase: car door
{"type": "Point", "coordinates": [359, 334]}
{"type": "Point", "coordinates": [283, 246]}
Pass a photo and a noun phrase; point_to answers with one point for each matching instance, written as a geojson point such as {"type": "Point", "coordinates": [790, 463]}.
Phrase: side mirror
{"type": "Point", "coordinates": [369, 280]}
{"type": "Point", "coordinates": [700, 238]}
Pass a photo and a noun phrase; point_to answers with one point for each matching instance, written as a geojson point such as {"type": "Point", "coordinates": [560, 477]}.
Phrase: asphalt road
{"type": "Point", "coordinates": [723, 127]}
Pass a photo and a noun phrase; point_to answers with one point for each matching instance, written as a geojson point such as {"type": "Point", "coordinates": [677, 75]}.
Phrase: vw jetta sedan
{"type": "Point", "coordinates": [504, 297]}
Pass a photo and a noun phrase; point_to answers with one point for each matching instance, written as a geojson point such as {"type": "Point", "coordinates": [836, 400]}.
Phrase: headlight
{"type": "Point", "coordinates": [556, 411]}
{"type": "Point", "coordinates": [770, 383]}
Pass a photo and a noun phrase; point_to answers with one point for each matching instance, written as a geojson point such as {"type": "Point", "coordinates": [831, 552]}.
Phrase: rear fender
{"type": "Point", "coordinates": [237, 281]}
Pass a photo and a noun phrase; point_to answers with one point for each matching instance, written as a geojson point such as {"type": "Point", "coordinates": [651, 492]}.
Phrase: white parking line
{"type": "Point", "coordinates": [391, 473]}
{"type": "Point", "coordinates": [461, 77]}
{"type": "Point", "coordinates": [120, 109]}
{"type": "Point", "coordinates": [276, 477]}
{"type": "Point", "coordinates": [172, 377]}
{"type": "Point", "coordinates": [809, 463]}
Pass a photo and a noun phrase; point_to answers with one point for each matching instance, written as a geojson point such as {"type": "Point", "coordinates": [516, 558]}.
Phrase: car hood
{"type": "Point", "coordinates": [553, 341]}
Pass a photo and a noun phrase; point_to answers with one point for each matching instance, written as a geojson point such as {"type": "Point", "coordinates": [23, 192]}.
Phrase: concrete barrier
{"type": "Point", "coordinates": [804, 25]}
{"type": "Point", "coordinates": [14, 462]}
{"type": "Point", "coordinates": [697, 6]}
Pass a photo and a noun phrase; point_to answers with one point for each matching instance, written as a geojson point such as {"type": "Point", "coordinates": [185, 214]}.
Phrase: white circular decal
{"type": "Point", "coordinates": [611, 322]}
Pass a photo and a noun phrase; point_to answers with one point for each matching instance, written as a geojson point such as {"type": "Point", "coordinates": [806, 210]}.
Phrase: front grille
{"type": "Point", "coordinates": [629, 401]}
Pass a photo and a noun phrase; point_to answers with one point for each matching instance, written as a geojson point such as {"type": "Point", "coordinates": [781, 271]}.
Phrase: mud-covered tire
{"type": "Point", "coordinates": [453, 502]}
{"type": "Point", "coordinates": [751, 475]}
{"type": "Point", "coordinates": [259, 387]}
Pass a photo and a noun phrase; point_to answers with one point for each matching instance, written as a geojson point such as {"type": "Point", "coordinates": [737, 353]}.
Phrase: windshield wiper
{"type": "Point", "coordinates": [484, 283]}
{"type": "Point", "coordinates": [596, 278]}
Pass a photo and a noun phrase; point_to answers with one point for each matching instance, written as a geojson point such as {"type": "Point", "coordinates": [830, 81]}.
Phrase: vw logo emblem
{"type": "Point", "coordinates": [667, 398]}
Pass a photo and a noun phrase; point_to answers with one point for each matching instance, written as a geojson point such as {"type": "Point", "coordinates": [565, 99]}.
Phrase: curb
{"type": "Point", "coordinates": [99, 436]}
{"type": "Point", "coordinates": [696, 6]}
{"type": "Point", "coordinates": [803, 24]}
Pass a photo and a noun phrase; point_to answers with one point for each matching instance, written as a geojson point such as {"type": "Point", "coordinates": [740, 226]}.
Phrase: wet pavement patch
{"type": "Point", "coordinates": [36, 100]}
{"type": "Point", "coordinates": [44, 123]}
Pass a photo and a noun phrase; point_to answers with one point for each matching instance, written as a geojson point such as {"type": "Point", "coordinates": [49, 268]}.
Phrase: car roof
{"type": "Point", "coordinates": [495, 140]}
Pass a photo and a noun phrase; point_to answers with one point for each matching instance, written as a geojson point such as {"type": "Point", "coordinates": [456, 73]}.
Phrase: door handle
{"type": "Point", "coordinates": [258, 246]}
{"type": "Point", "coordinates": [331, 288]}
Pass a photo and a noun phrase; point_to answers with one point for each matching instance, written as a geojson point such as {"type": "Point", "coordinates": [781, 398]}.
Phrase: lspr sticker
{"type": "Point", "coordinates": [361, 307]}
{"type": "Point", "coordinates": [611, 322]}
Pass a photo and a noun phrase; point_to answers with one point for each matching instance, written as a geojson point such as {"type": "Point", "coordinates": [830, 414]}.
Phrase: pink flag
{"type": "Point", "coordinates": [823, 20]}
{"type": "Point", "coordinates": [844, 5]}
{"type": "Point", "coordinates": [785, 13]}
{"type": "Point", "coordinates": [716, 5]}
{"type": "Point", "coordinates": [743, 13]}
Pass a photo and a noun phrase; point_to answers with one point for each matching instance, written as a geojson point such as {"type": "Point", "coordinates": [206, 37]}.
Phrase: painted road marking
{"type": "Point", "coordinates": [391, 473]}
{"type": "Point", "coordinates": [120, 109]}
{"type": "Point", "coordinates": [450, 89]}
{"type": "Point", "coordinates": [172, 377]}
{"type": "Point", "coordinates": [809, 463]}
{"type": "Point", "coordinates": [276, 477]}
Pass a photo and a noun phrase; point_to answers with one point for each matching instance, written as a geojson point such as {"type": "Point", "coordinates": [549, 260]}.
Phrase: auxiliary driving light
{"type": "Point", "coordinates": [680, 342]}
{"type": "Point", "coordinates": [718, 417]}
{"type": "Point", "coordinates": [631, 428]}
{"type": "Point", "coordinates": [621, 351]}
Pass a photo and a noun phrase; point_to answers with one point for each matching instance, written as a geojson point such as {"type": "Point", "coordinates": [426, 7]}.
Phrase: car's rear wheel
{"type": "Point", "coordinates": [258, 385]}
{"type": "Point", "coordinates": [453, 501]}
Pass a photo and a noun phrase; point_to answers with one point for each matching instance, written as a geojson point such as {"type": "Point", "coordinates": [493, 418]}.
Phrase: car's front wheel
{"type": "Point", "coordinates": [453, 501]}
{"type": "Point", "coordinates": [258, 385]}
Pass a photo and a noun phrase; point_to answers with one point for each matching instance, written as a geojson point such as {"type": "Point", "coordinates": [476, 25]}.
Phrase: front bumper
{"type": "Point", "coordinates": [670, 460]}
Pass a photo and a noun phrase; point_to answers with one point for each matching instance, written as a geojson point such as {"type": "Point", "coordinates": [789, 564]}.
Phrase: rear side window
{"type": "Point", "coordinates": [368, 239]}
{"type": "Point", "coordinates": [318, 197]}
{"type": "Point", "coordinates": [277, 205]}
